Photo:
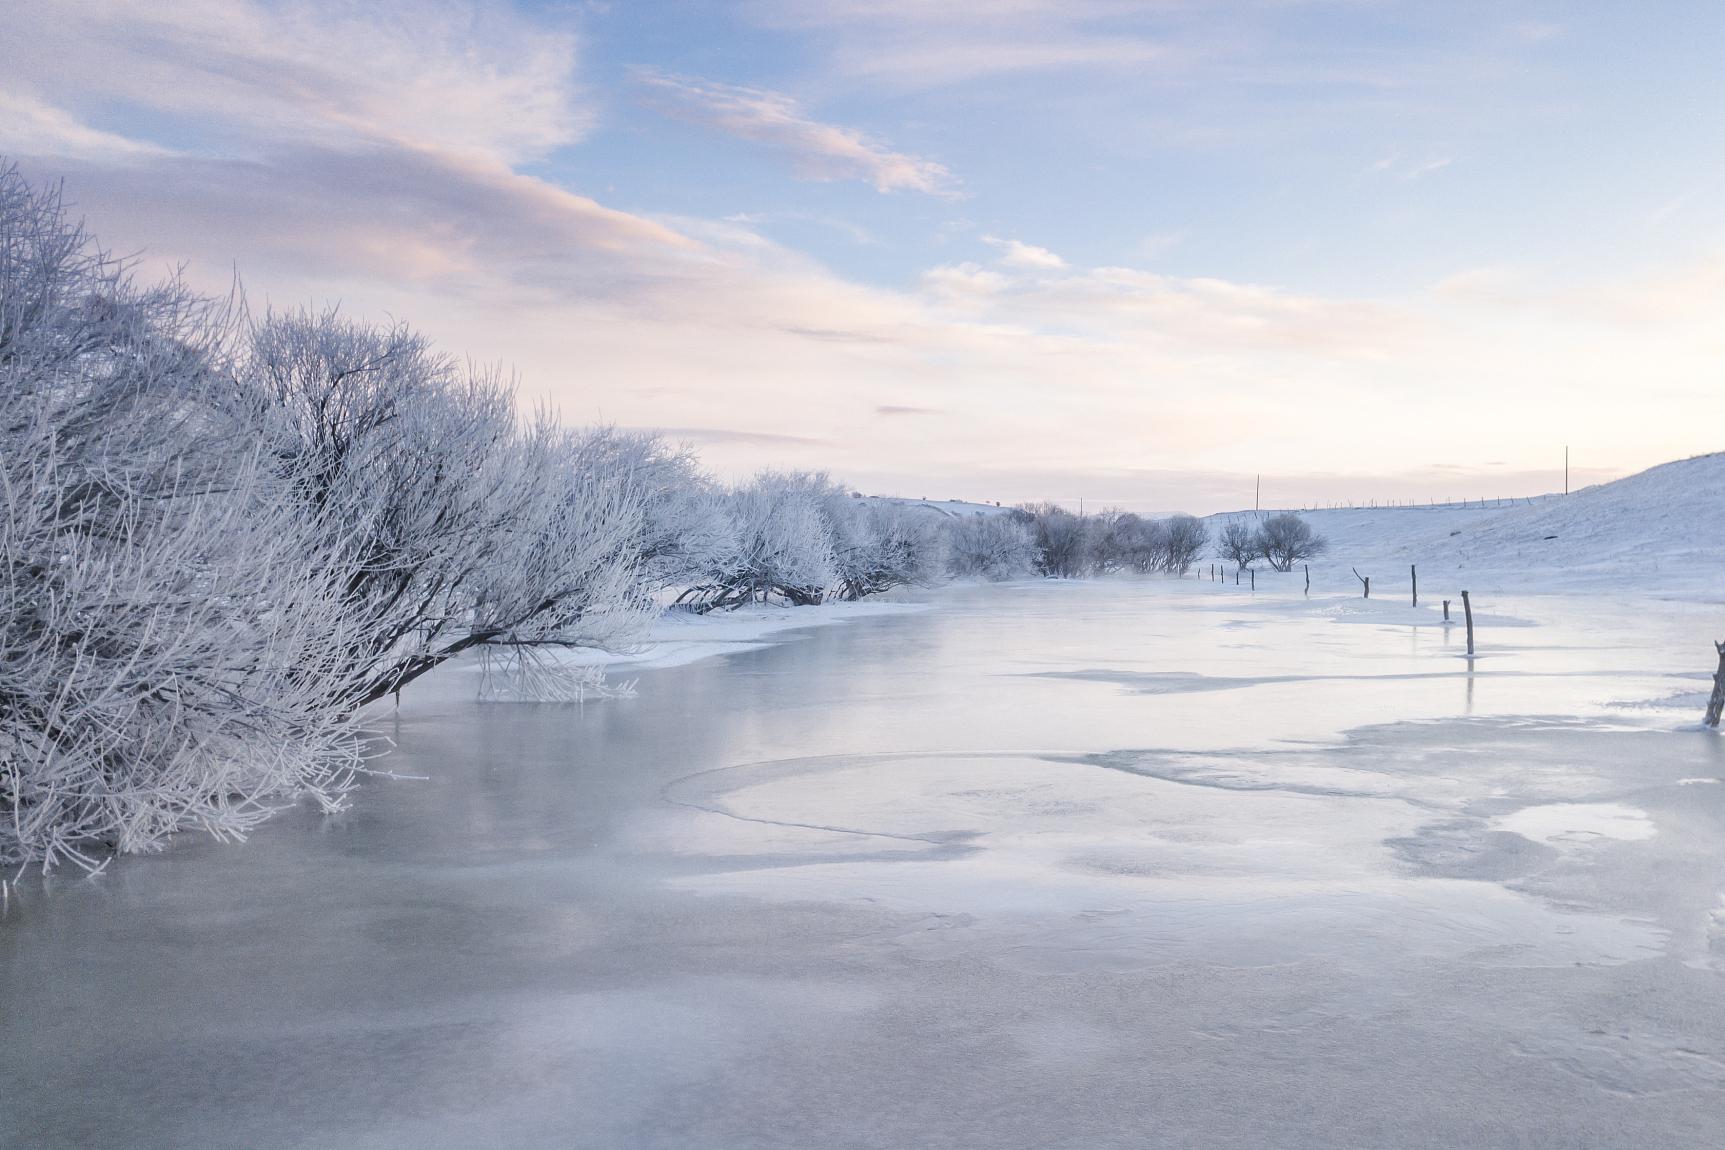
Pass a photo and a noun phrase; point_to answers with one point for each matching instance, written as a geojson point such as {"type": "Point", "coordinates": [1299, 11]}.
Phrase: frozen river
{"type": "Point", "coordinates": [1047, 865]}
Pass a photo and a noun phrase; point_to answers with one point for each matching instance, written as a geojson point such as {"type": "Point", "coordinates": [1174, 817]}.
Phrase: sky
{"type": "Point", "coordinates": [1131, 252]}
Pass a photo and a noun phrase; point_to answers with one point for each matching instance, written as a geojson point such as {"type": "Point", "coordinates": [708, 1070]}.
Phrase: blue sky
{"type": "Point", "coordinates": [1130, 252]}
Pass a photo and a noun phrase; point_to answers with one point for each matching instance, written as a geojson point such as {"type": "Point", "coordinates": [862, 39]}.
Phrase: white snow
{"type": "Point", "coordinates": [1658, 533]}
{"type": "Point", "coordinates": [679, 637]}
{"type": "Point", "coordinates": [948, 508]}
{"type": "Point", "coordinates": [1580, 823]}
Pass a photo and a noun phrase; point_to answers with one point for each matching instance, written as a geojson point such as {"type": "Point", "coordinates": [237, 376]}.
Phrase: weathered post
{"type": "Point", "coordinates": [1414, 574]}
{"type": "Point", "coordinates": [1254, 579]}
{"type": "Point", "coordinates": [1236, 576]}
{"type": "Point", "coordinates": [1308, 578]}
{"type": "Point", "coordinates": [1364, 579]}
{"type": "Point", "coordinates": [1446, 610]}
{"type": "Point", "coordinates": [1717, 702]}
{"type": "Point", "coordinates": [1467, 609]}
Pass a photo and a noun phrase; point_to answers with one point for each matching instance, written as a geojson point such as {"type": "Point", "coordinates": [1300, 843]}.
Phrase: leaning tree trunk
{"type": "Point", "coordinates": [1716, 704]}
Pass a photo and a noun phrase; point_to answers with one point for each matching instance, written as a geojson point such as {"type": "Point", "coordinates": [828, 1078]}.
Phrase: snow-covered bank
{"type": "Point", "coordinates": [1658, 533]}
{"type": "Point", "coordinates": [680, 637]}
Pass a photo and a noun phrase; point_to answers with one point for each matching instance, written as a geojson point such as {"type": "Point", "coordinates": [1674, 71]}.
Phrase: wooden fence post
{"type": "Point", "coordinates": [1467, 607]}
{"type": "Point", "coordinates": [1446, 610]}
{"type": "Point", "coordinates": [1308, 578]}
{"type": "Point", "coordinates": [1717, 702]}
{"type": "Point", "coordinates": [1254, 579]}
{"type": "Point", "coordinates": [1414, 574]}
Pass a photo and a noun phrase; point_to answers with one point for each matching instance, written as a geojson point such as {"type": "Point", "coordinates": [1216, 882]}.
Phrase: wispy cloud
{"type": "Point", "coordinates": [402, 216]}
{"type": "Point", "coordinates": [921, 44]}
{"type": "Point", "coordinates": [1126, 307]}
{"type": "Point", "coordinates": [818, 150]}
{"type": "Point", "coordinates": [1401, 168]}
{"type": "Point", "coordinates": [31, 127]}
{"type": "Point", "coordinates": [851, 230]}
{"type": "Point", "coordinates": [445, 76]}
{"type": "Point", "coordinates": [710, 435]}
{"type": "Point", "coordinates": [1017, 254]}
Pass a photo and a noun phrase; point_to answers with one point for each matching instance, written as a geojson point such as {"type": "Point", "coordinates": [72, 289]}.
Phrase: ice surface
{"type": "Point", "coordinates": [1581, 823]}
{"type": "Point", "coordinates": [1106, 864]}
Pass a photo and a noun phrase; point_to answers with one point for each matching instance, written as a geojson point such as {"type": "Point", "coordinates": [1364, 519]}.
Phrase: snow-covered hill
{"type": "Point", "coordinates": [1659, 532]}
{"type": "Point", "coordinates": [948, 508]}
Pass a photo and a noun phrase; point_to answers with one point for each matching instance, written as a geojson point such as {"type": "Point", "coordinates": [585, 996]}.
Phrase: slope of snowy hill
{"type": "Point", "coordinates": [1660, 532]}
{"type": "Point", "coordinates": [948, 508]}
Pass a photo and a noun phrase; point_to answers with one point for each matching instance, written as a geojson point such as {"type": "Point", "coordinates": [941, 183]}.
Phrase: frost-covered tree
{"type": "Point", "coordinates": [1062, 540]}
{"type": "Point", "coordinates": [167, 651]}
{"type": "Point", "coordinates": [1105, 536]}
{"type": "Point", "coordinates": [683, 527]}
{"type": "Point", "coordinates": [779, 545]}
{"type": "Point", "coordinates": [1149, 546]}
{"type": "Point", "coordinates": [1186, 538]}
{"type": "Point", "coordinates": [1128, 542]}
{"type": "Point", "coordinates": [991, 547]}
{"type": "Point", "coordinates": [451, 524]}
{"type": "Point", "coordinates": [1238, 543]}
{"type": "Point", "coordinates": [408, 464]}
{"type": "Point", "coordinates": [1286, 539]}
{"type": "Point", "coordinates": [877, 547]}
{"type": "Point", "coordinates": [566, 572]}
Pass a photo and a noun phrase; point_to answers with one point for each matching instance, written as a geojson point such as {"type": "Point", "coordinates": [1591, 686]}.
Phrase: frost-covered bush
{"type": "Point", "coordinates": [798, 537]}
{"type": "Point", "coordinates": [779, 545]}
{"type": "Point", "coordinates": [684, 528]}
{"type": "Point", "coordinates": [567, 571]}
{"type": "Point", "coordinates": [448, 524]}
{"type": "Point", "coordinates": [1127, 542]}
{"type": "Point", "coordinates": [877, 547]}
{"type": "Point", "coordinates": [1238, 543]}
{"type": "Point", "coordinates": [1184, 540]}
{"type": "Point", "coordinates": [166, 651]}
{"type": "Point", "coordinates": [1122, 541]}
{"type": "Point", "coordinates": [1286, 539]}
{"type": "Point", "coordinates": [991, 547]}
{"type": "Point", "coordinates": [1104, 536]}
{"type": "Point", "coordinates": [1062, 541]}
{"type": "Point", "coordinates": [407, 464]}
